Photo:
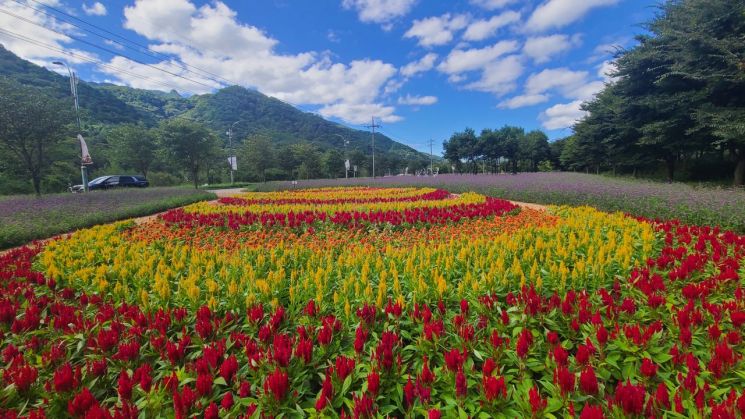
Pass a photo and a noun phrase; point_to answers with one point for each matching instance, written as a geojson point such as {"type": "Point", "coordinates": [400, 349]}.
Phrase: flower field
{"type": "Point", "coordinates": [376, 302]}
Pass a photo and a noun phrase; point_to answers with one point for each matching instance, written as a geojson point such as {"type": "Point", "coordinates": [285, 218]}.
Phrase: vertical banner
{"type": "Point", "coordinates": [233, 162]}
{"type": "Point", "coordinates": [85, 156]}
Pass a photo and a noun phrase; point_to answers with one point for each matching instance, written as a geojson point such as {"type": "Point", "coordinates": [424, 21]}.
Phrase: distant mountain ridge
{"type": "Point", "coordinates": [282, 123]}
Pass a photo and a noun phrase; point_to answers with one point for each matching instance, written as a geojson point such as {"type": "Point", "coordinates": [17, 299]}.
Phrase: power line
{"type": "Point", "coordinates": [88, 59]}
{"type": "Point", "coordinates": [372, 127]}
{"type": "Point", "coordinates": [106, 49]}
{"type": "Point", "coordinates": [143, 49]}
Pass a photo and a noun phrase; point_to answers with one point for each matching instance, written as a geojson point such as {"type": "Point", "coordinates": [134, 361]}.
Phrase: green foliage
{"type": "Point", "coordinates": [522, 151]}
{"type": "Point", "coordinates": [677, 97]}
{"type": "Point", "coordinates": [189, 145]}
{"type": "Point", "coordinates": [134, 147]}
{"type": "Point", "coordinates": [33, 128]}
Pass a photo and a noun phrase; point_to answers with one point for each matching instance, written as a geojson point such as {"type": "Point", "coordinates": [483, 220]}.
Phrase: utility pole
{"type": "Point", "coordinates": [85, 157]}
{"type": "Point", "coordinates": [232, 160]}
{"type": "Point", "coordinates": [372, 127]}
{"type": "Point", "coordinates": [431, 142]}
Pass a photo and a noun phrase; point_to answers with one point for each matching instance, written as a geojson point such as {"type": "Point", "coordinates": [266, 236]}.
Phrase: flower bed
{"type": "Point", "coordinates": [520, 314]}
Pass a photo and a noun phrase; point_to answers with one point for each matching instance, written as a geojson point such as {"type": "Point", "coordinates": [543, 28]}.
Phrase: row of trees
{"type": "Point", "coordinates": [38, 150]}
{"type": "Point", "coordinates": [509, 148]}
{"type": "Point", "coordinates": [677, 99]}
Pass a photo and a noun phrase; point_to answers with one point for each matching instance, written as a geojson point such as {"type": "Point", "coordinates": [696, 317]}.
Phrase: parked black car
{"type": "Point", "coordinates": [115, 181]}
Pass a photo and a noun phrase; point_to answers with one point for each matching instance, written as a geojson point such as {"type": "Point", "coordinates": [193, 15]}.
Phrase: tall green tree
{"type": "Point", "coordinates": [188, 145]}
{"type": "Point", "coordinates": [255, 156]}
{"type": "Point", "coordinates": [33, 129]}
{"type": "Point", "coordinates": [133, 147]}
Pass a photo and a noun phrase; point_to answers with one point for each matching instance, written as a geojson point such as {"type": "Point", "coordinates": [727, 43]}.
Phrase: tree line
{"type": "Point", "coordinates": [676, 101]}
{"type": "Point", "coordinates": [508, 149]}
{"type": "Point", "coordinates": [39, 152]}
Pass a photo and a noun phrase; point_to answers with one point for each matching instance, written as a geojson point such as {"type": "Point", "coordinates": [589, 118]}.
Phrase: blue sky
{"type": "Point", "coordinates": [424, 68]}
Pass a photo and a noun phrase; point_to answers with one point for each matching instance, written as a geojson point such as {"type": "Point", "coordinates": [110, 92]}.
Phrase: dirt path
{"type": "Point", "coordinates": [538, 207]}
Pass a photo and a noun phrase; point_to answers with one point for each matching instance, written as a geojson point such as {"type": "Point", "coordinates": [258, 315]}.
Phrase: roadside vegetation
{"type": "Point", "coordinates": [24, 218]}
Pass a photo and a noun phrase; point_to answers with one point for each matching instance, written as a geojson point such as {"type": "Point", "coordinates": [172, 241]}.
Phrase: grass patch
{"type": "Point", "coordinates": [24, 218]}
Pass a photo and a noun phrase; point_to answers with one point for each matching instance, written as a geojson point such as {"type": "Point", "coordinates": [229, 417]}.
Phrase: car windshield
{"type": "Point", "coordinates": [98, 180]}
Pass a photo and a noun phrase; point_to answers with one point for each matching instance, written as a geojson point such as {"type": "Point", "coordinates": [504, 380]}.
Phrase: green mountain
{"type": "Point", "coordinates": [107, 104]}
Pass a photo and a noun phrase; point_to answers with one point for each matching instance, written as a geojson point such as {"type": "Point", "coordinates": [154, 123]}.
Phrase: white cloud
{"type": "Point", "coordinates": [417, 100]}
{"type": "Point", "coordinates": [459, 61]}
{"type": "Point", "coordinates": [46, 33]}
{"type": "Point", "coordinates": [423, 64]}
{"type": "Point", "coordinates": [559, 13]}
{"type": "Point", "coordinates": [211, 38]}
{"type": "Point", "coordinates": [360, 113]}
{"type": "Point", "coordinates": [332, 36]}
{"type": "Point", "coordinates": [483, 29]}
{"type": "Point", "coordinates": [491, 4]}
{"type": "Point", "coordinates": [499, 77]}
{"type": "Point", "coordinates": [523, 100]}
{"type": "Point", "coordinates": [573, 85]}
{"type": "Point", "coordinates": [436, 30]}
{"type": "Point", "coordinates": [379, 11]}
{"type": "Point", "coordinates": [563, 79]}
{"type": "Point", "coordinates": [605, 69]}
{"type": "Point", "coordinates": [97, 9]}
{"type": "Point", "coordinates": [542, 48]}
{"type": "Point", "coordinates": [562, 115]}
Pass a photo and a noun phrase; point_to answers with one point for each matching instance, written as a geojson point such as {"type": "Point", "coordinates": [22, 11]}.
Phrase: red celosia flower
{"type": "Point", "coordinates": [228, 368]}
{"type": "Point", "coordinates": [588, 382]}
{"type": "Point", "coordinates": [461, 385]}
{"type": "Point", "coordinates": [464, 306]}
{"type": "Point", "coordinates": [409, 392]}
{"type": "Point", "coordinates": [64, 378]}
{"type": "Point", "coordinates": [244, 390]}
{"type": "Point", "coordinates": [326, 394]}
{"type": "Point", "coordinates": [304, 350]}
{"type": "Point", "coordinates": [373, 382]}
{"type": "Point", "coordinates": [324, 335]}
{"type": "Point", "coordinates": [211, 412]}
{"type": "Point", "coordinates": [564, 379]}
{"type": "Point", "coordinates": [125, 384]}
{"type": "Point", "coordinates": [662, 397]}
{"type": "Point", "coordinates": [493, 388]}
{"type": "Point", "coordinates": [23, 376]}
{"type": "Point", "coordinates": [537, 403]}
{"type": "Point", "coordinates": [630, 398]}
{"type": "Point", "coordinates": [560, 355]}
{"type": "Point", "coordinates": [276, 383]}
{"type": "Point", "coordinates": [434, 414]}
{"type": "Point", "coordinates": [523, 342]}
{"type": "Point", "coordinates": [602, 335]}
{"type": "Point", "coordinates": [81, 403]}
{"type": "Point", "coordinates": [204, 384]}
{"type": "Point", "coordinates": [454, 360]}
{"type": "Point", "coordinates": [648, 368]}
{"type": "Point", "coordinates": [282, 349]}
{"type": "Point", "coordinates": [489, 366]}
{"type": "Point", "coordinates": [552, 337]}
{"type": "Point", "coordinates": [360, 337]}
{"type": "Point", "coordinates": [426, 375]}
{"type": "Point", "coordinates": [591, 412]}
{"type": "Point", "coordinates": [363, 406]}
{"type": "Point", "coordinates": [227, 401]}
{"type": "Point", "coordinates": [310, 308]}
{"type": "Point", "coordinates": [344, 367]}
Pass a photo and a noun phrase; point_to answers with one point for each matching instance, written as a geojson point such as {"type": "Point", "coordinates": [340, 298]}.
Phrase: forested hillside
{"type": "Point", "coordinates": [272, 139]}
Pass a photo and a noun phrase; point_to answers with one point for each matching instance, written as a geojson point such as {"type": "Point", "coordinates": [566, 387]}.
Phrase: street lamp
{"type": "Point", "coordinates": [85, 158]}
{"type": "Point", "coordinates": [232, 159]}
{"type": "Point", "coordinates": [346, 159]}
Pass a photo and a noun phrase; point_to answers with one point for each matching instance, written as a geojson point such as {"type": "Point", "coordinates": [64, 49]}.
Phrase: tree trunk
{"type": "Point", "coordinates": [36, 180]}
{"type": "Point", "coordinates": [194, 172]}
{"type": "Point", "coordinates": [740, 170]}
{"type": "Point", "coordinates": [670, 165]}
